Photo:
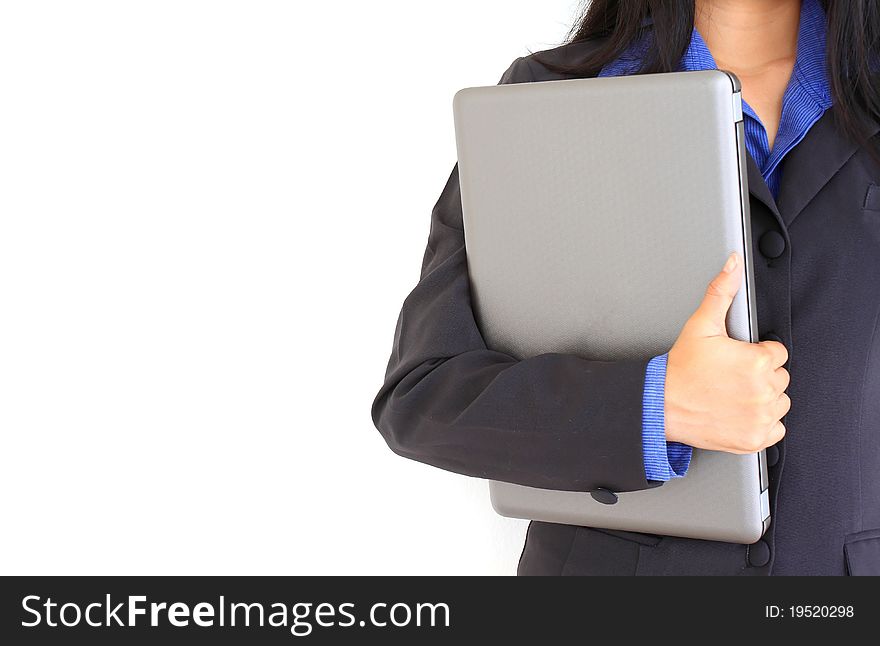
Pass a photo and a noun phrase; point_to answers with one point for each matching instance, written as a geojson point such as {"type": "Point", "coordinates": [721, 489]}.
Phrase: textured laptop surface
{"type": "Point", "coordinates": [596, 211]}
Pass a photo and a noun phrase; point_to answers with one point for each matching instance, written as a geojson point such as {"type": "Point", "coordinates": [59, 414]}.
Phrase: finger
{"type": "Point", "coordinates": [777, 352]}
{"type": "Point", "coordinates": [781, 379]}
{"type": "Point", "coordinates": [776, 434]}
{"type": "Point", "coordinates": [782, 406]}
{"type": "Point", "coordinates": [710, 317]}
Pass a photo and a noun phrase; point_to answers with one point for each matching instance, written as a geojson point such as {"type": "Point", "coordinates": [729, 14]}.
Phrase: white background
{"type": "Point", "coordinates": [210, 214]}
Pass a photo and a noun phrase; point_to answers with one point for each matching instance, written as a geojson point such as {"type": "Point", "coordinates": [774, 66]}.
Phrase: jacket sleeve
{"type": "Point", "coordinates": [554, 421]}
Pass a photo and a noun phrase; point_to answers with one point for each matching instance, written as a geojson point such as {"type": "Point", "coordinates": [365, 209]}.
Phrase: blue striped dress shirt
{"type": "Point", "coordinates": [806, 99]}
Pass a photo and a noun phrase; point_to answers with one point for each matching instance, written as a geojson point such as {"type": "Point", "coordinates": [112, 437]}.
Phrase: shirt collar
{"type": "Point", "coordinates": [809, 71]}
{"type": "Point", "coordinates": [810, 67]}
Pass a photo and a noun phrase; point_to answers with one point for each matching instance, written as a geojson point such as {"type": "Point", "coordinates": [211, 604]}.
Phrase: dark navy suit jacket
{"type": "Point", "coordinates": [562, 422]}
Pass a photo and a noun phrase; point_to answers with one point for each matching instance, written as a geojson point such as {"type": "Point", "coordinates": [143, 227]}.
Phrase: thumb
{"type": "Point", "coordinates": [710, 317]}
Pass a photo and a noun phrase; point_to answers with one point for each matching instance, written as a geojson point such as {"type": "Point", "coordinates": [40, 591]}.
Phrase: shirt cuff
{"type": "Point", "coordinates": [663, 460]}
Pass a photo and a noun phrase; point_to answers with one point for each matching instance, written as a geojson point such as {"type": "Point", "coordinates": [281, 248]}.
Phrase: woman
{"type": "Point", "coordinates": [812, 110]}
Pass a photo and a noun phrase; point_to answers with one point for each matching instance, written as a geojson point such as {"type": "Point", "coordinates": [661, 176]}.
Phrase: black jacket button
{"type": "Point", "coordinates": [772, 244]}
{"type": "Point", "coordinates": [772, 456]}
{"type": "Point", "coordinates": [604, 496]}
{"type": "Point", "coordinates": [759, 554]}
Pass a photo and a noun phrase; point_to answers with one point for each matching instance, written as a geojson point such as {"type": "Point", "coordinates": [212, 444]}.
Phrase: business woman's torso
{"type": "Point", "coordinates": [817, 269]}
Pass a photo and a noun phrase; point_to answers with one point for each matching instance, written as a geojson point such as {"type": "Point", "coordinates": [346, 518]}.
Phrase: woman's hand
{"type": "Point", "coordinates": [723, 394]}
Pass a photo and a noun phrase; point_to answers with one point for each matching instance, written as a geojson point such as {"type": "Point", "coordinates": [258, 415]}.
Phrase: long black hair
{"type": "Point", "coordinates": [853, 48]}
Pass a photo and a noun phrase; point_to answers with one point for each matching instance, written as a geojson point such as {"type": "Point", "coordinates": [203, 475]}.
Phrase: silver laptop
{"type": "Point", "coordinates": [596, 211]}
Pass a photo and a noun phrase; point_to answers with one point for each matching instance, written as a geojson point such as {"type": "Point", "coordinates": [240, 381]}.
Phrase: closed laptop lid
{"type": "Point", "coordinates": [595, 212]}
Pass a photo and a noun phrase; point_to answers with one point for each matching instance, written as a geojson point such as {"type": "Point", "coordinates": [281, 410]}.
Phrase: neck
{"type": "Point", "coordinates": [749, 35]}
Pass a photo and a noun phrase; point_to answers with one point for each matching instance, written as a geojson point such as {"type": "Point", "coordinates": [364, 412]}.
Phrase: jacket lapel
{"type": "Point", "coordinates": [758, 189]}
{"type": "Point", "coordinates": [812, 163]}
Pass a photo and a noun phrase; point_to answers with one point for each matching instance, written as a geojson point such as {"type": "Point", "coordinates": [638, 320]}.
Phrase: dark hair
{"type": "Point", "coordinates": [853, 48]}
